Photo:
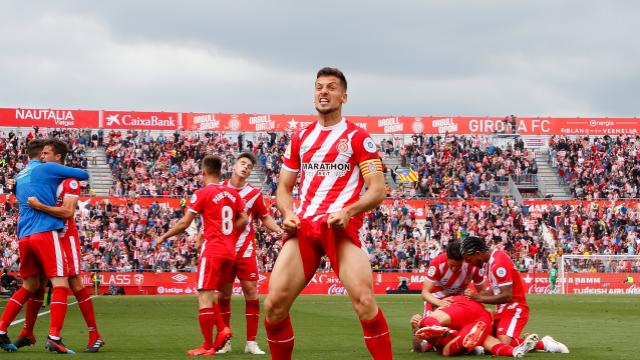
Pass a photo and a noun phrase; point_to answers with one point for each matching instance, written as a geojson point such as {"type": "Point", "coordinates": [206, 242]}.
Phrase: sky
{"type": "Point", "coordinates": [402, 57]}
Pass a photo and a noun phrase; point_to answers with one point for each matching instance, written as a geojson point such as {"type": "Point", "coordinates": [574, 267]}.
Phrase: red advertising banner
{"type": "Point", "coordinates": [327, 283]}
{"type": "Point", "coordinates": [56, 118]}
{"type": "Point", "coordinates": [49, 118]}
{"type": "Point", "coordinates": [140, 120]}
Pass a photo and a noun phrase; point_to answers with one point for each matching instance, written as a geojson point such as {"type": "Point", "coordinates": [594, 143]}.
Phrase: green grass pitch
{"type": "Point", "coordinates": [146, 327]}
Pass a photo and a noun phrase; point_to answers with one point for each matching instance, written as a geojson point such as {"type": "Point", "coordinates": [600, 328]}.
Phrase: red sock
{"type": "Point", "coordinates": [58, 310]}
{"type": "Point", "coordinates": [252, 313]}
{"type": "Point", "coordinates": [540, 345]}
{"type": "Point", "coordinates": [376, 336]}
{"type": "Point", "coordinates": [206, 317]}
{"type": "Point", "coordinates": [86, 308]}
{"type": "Point", "coordinates": [14, 305]}
{"type": "Point", "coordinates": [502, 350]}
{"type": "Point", "coordinates": [218, 317]}
{"type": "Point", "coordinates": [31, 313]}
{"type": "Point", "coordinates": [280, 338]}
{"type": "Point", "coordinates": [225, 310]}
{"type": "Point", "coordinates": [516, 342]}
{"type": "Point", "coordinates": [429, 321]}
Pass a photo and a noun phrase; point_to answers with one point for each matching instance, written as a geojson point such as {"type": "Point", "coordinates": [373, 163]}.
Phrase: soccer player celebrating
{"type": "Point", "coordinates": [507, 293]}
{"type": "Point", "coordinates": [245, 265]}
{"type": "Point", "coordinates": [40, 245]}
{"type": "Point", "coordinates": [461, 326]}
{"type": "Point", "coordinates": [223, 215]}
{"type": "Point", "coordinates": [335, 159]}
{"type": "Point", "coordinates": [68, 193]}
{"type": "Point", "coordinates": [449, 275]}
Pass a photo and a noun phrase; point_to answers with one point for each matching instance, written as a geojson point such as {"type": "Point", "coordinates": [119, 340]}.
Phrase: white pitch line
{"type": "Point", "coordinates": [15, 322]}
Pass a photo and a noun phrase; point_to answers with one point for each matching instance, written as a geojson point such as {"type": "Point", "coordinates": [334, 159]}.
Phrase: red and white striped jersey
{"type": "Point", "coordinates": [502, 272]}
{"type": "Point", "coordinates": [449, 283]}
{"type": "Point", "coordinates": [69, 187]}
{"type": "Point", "coordinates": [333, 162]}
{"type": "Point", "coordinates": [255, 208]}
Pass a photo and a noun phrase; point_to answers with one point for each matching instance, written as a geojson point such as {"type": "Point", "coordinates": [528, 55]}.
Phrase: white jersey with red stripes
{"type": "Point", "coordinates": [449, 283]}
{"type": "Point", "coordinates": [69, 187]}
{"type": "Point", "coordinates": [332, 162]}
{"type": "Point", "coordinates": [254, 207]}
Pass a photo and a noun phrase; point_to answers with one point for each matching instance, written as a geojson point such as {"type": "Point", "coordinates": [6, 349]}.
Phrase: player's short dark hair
{"type": "Point", "coordinates": [453, 250]}
{"type": "Point", "coordinates": [34, 148]}
{"type": "Point", "coordinates": [248, 155]}
{"type": "Point", "coordinates": [473, 244]}
{"type": "Point", "coordinates": [212, 165]}
{"type": "Point", "coordinates": [329, 71]}
{"type": "Point", "coordinates": [59, 148]}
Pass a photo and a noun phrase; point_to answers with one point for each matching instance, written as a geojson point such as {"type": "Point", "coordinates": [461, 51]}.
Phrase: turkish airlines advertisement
{"type": "Point", "coordinates": [49, 118]}
{"type": "Point", "coordinates": [328, 283]}
{"type": "Point", "coordinates": [140, 120]}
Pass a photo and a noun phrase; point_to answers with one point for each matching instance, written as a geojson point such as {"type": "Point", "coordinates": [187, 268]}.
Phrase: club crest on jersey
{"type": "Point", "coordinates": [369, 145]}
{"type": "Point", "coordinates": [342, 146]}
{"type": "Point", "coordinates": [432, 271]}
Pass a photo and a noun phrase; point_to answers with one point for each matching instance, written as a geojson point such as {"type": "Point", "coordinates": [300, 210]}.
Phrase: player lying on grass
{"type": "Point", "coordinates": [460, 327]}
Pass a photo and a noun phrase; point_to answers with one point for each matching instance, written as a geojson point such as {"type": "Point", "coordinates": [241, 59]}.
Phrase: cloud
{"type": "Point", "coordinates": [573, 58]}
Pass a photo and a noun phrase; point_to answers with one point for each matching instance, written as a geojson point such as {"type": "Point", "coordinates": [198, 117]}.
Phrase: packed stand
{"type": "Point", "coordinates": [170, 165]}
{"type": "Point", "coordinates": [598, 168]}
{"type": "Point", "coordinates": [13, 155]}
{"type": "Point", "coordinates": [460, 167]}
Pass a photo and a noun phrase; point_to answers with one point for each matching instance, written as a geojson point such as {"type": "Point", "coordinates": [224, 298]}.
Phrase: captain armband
{"type": "Point", "coordinates": [372, 166]}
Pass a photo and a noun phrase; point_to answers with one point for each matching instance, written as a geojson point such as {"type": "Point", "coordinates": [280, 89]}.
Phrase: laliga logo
{"type": "Point", "coordinates": [179, 278]}
{"type": "Point", "coordinates": [160, 290]}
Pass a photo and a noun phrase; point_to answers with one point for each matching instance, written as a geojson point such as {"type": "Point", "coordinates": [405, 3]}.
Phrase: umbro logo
{"type": "Point", "coordinates": [180, 278]}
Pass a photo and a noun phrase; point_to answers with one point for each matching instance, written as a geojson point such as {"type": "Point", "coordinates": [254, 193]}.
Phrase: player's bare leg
{"type": "Point", "coordinates": [252, 314]}
{"type": "Point", "coordinates": [86, 308]}
{"type": "Point", "coordinates": [286, 282]}
{"type": "Point", "coordinates": [58, 313]}
{"type": "Point", "coordinates": [356, 275]}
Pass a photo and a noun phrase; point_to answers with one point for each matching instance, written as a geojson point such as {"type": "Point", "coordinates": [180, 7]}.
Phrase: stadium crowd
{"type": "Point", "coordinates": [13, 157]}
{"type": "Point", "coordinates": [461, 167]}
{"type": "Point", "coordinates": [600, 167]}
{"type": "Point", "coordinates": [121, 237]}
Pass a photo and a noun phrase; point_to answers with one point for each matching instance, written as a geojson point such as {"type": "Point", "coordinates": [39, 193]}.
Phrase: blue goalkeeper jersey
{"type": "Point", "coordinates": [41, 180]}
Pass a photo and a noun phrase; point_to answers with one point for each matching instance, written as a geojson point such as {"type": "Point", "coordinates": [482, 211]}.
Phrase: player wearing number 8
{"type": "Point", "coordinates": [223, 214]}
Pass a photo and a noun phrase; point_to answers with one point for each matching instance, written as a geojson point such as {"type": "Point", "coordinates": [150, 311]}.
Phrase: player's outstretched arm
{"type": "Point", "coordinates": [271, 224]}
{"type": "Point", "coordinates": [64, 212]}
{"type": "Point", "coordinates": [64, 172]}
{"type": "Point", "coordinates": [284, 200]}
{"type": "Point", "coordinates": [373, 196]}
{"type": "Point", "coordinates": [178, 228]}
